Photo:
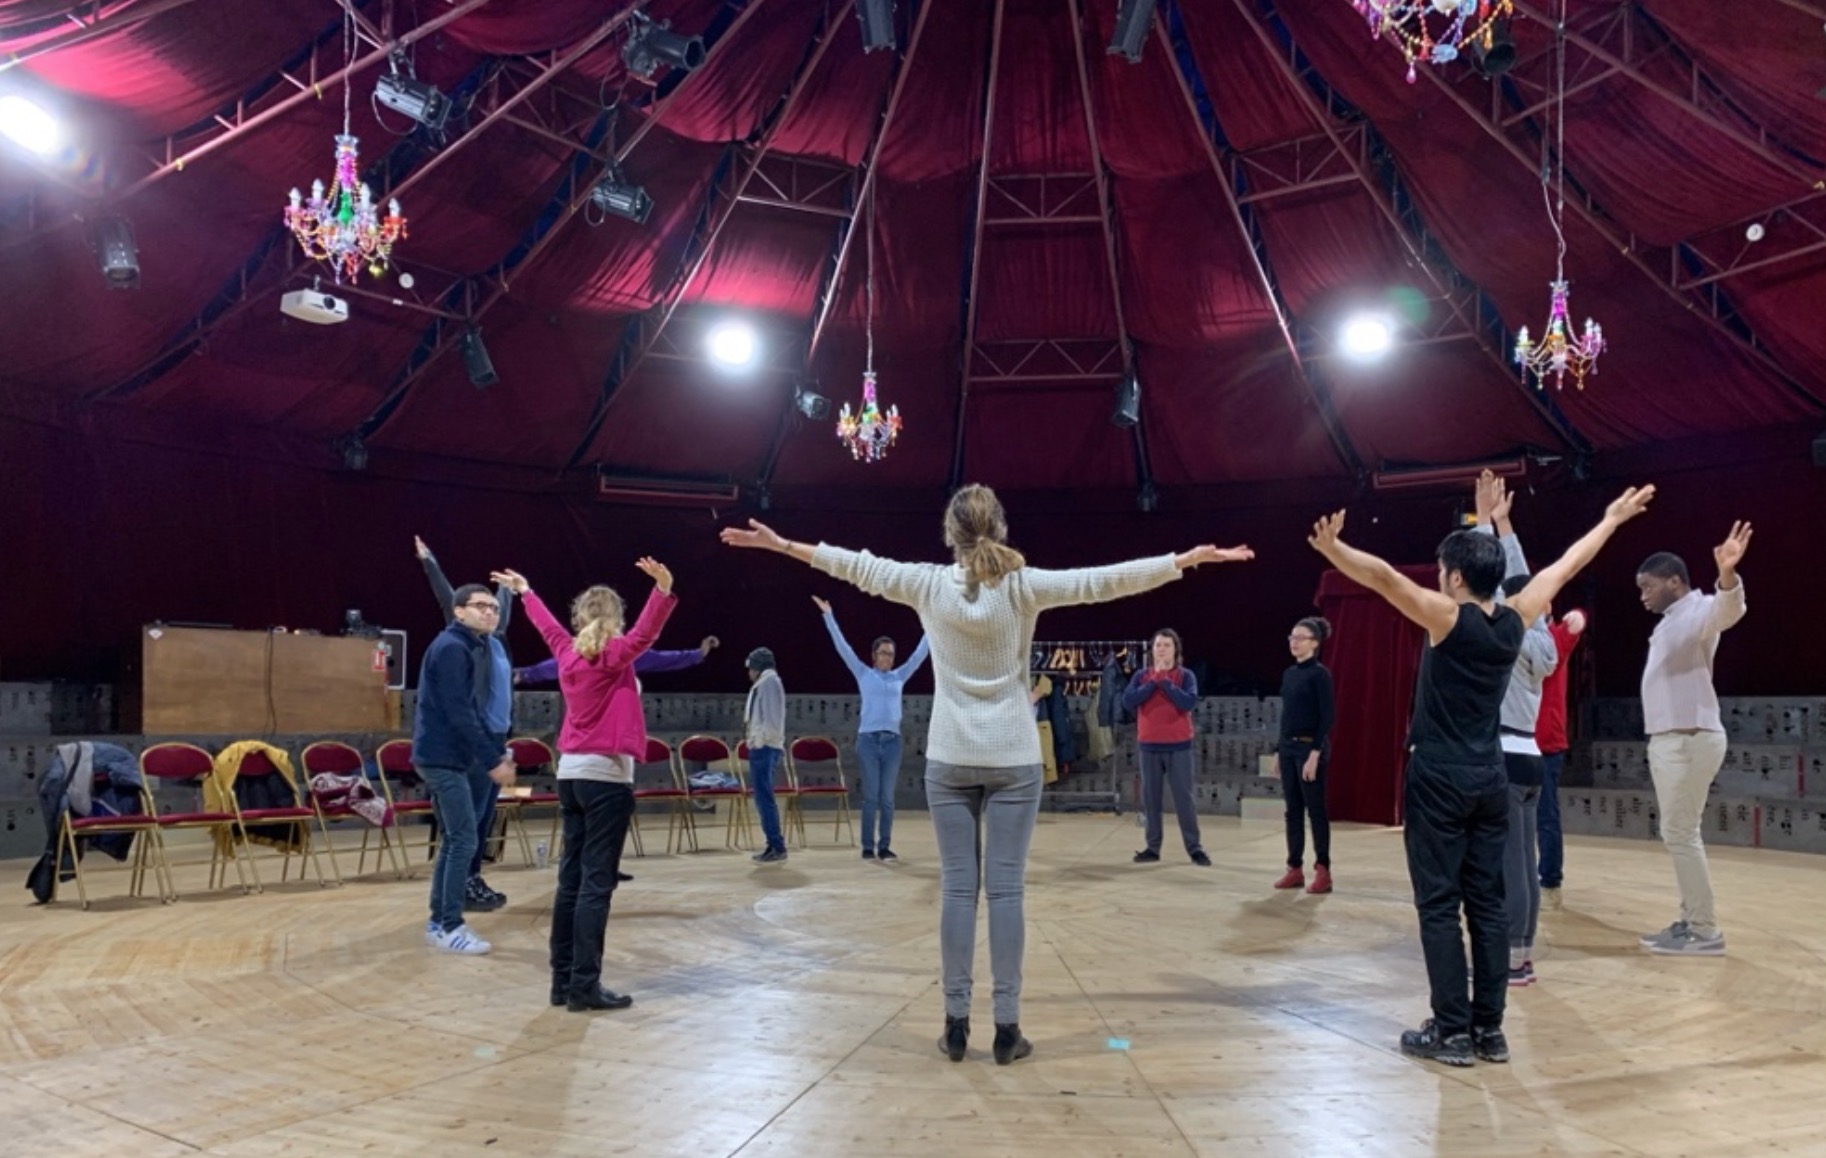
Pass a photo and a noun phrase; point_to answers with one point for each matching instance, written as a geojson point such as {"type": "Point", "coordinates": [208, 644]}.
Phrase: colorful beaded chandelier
{"type": "Point", "coordinates": [1559, 352]}
{"type": "Point", "coordinates": [342, 226]}
{"type": "Point", "coordinates": [1435, 31]}
{"type": "Point", "coordinates": [870, 433]}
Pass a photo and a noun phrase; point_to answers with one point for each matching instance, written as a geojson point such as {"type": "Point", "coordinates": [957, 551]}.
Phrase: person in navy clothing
{"type": "Point", "coordinates": [1162, 696]}
{"type": "Point", "coordinates": [878, 742]}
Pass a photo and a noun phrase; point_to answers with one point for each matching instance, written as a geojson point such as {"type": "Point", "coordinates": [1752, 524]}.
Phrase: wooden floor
{"type": "Point", "coordinates": [792, 1010]}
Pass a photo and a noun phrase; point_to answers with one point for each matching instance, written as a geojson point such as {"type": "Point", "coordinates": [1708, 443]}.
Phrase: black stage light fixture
{"type": "Point", "coordinates": [1128, 402]}
{"type": "Point", "coordinates": [652, 45]}
{"type": "Point", "coordinates": [116, 251]}
{"type": "Point", "coordinates": [1133, 19]}
{"type": "Point", "coordinates": [354, 454]}
{"type": "Point", "coordinates": [1147, 498]}
{"type": "Point", "coordinates": [877, 17]}
{"type": "Point", "coordinates": [476, 360]}
{"type": "Point", "coordinates": [404, 93]}
{"type": "Point", "coordinates": [813, 405]}
{"type": "Point", "coordinates": [1498, 56]}
{"type": "Point", "coordinates": [613, 195]}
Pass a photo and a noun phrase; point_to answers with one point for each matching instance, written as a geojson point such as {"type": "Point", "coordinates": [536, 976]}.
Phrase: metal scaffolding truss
{"type": "Point", "coordinates": [805, 186]}
{"type": "Point", "coordinates": [1327, 159]}
{"type": "Point", "coordinates": [1047, 362]}
{"type": "Point", "coordinates": [973, 258]}
{"type": "Point", "coordinates": [89, 20]}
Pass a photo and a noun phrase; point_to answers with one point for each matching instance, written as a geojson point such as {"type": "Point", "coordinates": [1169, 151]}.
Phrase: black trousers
{"type": "Point", "coordinates": [1457, 820]}
{"type": "Point", "coordinates": [596, 816]}
{"type": "Point", "coordinates": [1305, 801]}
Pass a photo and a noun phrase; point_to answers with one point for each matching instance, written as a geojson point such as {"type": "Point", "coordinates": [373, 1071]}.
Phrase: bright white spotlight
{"type": "Point", "coordinates": [733, 344]}
{"type": "Point", "coordinates": [1366, 337]}
{"type": "Point", "coordinates": [27, 124]}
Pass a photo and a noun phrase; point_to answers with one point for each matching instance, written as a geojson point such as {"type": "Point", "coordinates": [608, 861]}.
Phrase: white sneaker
{"type": "Point", "coordinates": [460, 940]}
{"type": "Point", "coordinates": [431, 933]}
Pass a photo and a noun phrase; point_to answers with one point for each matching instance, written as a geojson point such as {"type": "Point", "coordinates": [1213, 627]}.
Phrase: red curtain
{"type": "Point", "coordinates": [1374, 657]}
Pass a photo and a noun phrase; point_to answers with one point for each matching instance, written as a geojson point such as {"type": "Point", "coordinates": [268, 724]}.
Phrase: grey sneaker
{"type": "Point", "coordinates": [1690, 943]}
{"type": "Point", "coordinates": [1649, 940]}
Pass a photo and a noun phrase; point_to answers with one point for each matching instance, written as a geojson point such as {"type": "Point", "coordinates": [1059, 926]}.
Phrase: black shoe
{"type": "Point", "coordinates": [868, 854]}
{"type": "Point", "coordinates": [1489, 1044]}
{"type": "Point", "coordinates": [1010, 1046]}
{"type": "Point", "coordinates": [1146, 856]}
{"type": "Point", "coordinates": [622, 878]}
{"type": "Point", "coordinates": [770, 856]}
{"type": "Point", "coordinates": [561, 993]}
{"type": "Point", "coordinates": [601, 999]}
{"type": "Point", "coordinates": [956, 1039]}
{"type": "Point", "coordinates": [886, 854]}
{"type": "Point", "coordinates": [479, 898]}
{"type": "Point", "coordinates": [1200, 859]}
{"type": "Point", "coordinates": [1427, 1042]}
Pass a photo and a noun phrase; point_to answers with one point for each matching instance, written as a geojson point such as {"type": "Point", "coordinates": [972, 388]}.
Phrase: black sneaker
{"type": "Point", "coordinates": [601, 999]}
{"type": "Point", "coordinates": [1489, 1044]}
{"type": "Point", "coordinates": [1453, 1049]}
{"type": "Point", "coordinates": [956, 1039]}
{"type": "Point", "coordinates": [561, 991]}
{"type": "Point", "coordinates": [622, 878]}
{"type": "Point", "coordinates": [479, 898]}
{"type": "Point", "coordinates": [868, 854]}
{"type": "Point", "coordinates": [1146, 856]}
{"type": "Point", "coordinates": [1010, 1046]}
{"type": "Point", "coordinates": [770, 856]}
{"type": "Point", "coordinates": [886, 854]}
{"type": "Point", "coordinates": [1200, 859]}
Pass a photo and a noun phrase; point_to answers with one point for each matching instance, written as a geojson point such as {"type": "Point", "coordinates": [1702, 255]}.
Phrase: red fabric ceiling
{"type": "Point", "coordinates": [1222, 399]}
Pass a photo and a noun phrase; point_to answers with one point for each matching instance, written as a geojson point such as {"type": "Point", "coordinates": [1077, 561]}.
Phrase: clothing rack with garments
{"type": "Point", "coordinates": [1077, 664]}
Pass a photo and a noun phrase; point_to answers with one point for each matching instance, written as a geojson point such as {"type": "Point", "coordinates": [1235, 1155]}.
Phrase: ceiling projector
{"type": "Point", "coordinates": [314, 306]}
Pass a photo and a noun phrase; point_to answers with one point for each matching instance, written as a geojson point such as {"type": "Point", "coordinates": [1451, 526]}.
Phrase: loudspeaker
{"type": "Point", "coordinates": [1133, 20]}
{"type": "Point", "coordinates": [475, 360]}
{"type": "Point", "coordinates": [393, 645]}
{"type": "Point", "coordinates": [117, 252]}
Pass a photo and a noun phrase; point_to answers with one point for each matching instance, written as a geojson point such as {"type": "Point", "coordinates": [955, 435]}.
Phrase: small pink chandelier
{"type": "Point", "coordinates": [342, 227]}
{"type": "Point", "coordinates": [870, 433]}
{"type": "Point", "coordinates": [1435, 31]}
{"type": "Point", "coordinates": [1558, 353]}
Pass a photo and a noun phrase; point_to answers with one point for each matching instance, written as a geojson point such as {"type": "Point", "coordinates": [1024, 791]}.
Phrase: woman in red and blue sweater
{"type": "Point", "coordinates": [1162, 696]}
{"type": "Point", "coordinates": [604, 734]}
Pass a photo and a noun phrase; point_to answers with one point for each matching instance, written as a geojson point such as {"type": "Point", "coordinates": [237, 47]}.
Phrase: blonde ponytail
{"type": "Point", "coordinates": [597, 617]}
{"type": "Point", "coordinates": [976, 530]}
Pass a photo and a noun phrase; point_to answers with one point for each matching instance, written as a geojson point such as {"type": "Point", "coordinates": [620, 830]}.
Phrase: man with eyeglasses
{"type": "Point", "coordinates": [477, 896]}
{"type": "Point", "coordinates": [459, 745]}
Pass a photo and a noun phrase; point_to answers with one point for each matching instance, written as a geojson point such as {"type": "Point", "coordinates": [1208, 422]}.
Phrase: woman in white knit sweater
{"type": "Point", "coordinates": [983, 771]}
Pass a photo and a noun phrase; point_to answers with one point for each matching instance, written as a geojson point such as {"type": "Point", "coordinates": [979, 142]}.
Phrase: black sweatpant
{"type": "Point", "coordinates": [1457, 820]}
{"type": "Point", "coordinates": [596, 815]}
{"type": "Point", "coordinates": [1305, 801]}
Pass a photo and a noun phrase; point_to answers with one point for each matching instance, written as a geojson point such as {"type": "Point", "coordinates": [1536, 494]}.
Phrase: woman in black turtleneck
{"type": "Point", "coordinates": [1305, 748]}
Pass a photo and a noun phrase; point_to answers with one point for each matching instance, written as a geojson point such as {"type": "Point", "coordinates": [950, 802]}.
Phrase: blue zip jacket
{"type": "Point", "coordinates": [455, 694]}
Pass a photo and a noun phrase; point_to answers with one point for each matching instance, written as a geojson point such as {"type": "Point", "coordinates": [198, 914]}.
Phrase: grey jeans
{"type": "Point", "coordinates": [1521, 873]}
{"type": "Point", "coordinates": [983, 819]}
{"type": "Point", "coordinates": [1174, 768]}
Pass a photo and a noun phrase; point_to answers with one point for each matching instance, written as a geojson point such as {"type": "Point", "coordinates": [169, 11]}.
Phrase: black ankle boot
{"type": "Point", "coordinates": [601, 999]}
{"type": "Point", "coordinates": [956, 1039]}
{"type": "Point", "coordinates": [1009, 1044]}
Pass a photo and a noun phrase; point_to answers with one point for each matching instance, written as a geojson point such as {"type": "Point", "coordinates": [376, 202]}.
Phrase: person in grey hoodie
{"type": "Point", "coordinates": [765, 719]}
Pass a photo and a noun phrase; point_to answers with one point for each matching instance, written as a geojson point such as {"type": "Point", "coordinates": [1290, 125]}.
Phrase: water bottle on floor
{"type": "Point", "coordinates": [541, 855]}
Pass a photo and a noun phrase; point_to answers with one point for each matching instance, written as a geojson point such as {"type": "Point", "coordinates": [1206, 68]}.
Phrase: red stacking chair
{"type": "Point", "coordinates": [714, 754]}
{"type": "Point", "coordinates": [784, 792]}
{"type": "Point", "coordinates": [656, 778]}
{"type": "Point", "coordinates": [393, 762]}
{"type": "Point", "coordinates": [531, 755]}
{"type": "Point", "coordinates": [191, 766]}
{"type": "Point", "coordinates": [294, 817]}
{"type": "Point", "coordinates": [823, 780]}
{"type": "Point", "coordinates": [144, 853]}
{"type": "Point", "coordinates": [339, 759]}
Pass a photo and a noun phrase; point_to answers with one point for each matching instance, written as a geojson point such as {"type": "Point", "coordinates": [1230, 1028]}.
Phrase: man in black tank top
{"type": "Point", "coordinates": [1455, 796]}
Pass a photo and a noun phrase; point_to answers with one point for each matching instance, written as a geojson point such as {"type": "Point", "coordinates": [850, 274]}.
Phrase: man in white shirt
{"type": "Point", "coordinates": [1686, 739]}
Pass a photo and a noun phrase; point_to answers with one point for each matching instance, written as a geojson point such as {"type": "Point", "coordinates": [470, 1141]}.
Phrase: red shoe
{"type": "Point", "coordinates": [1293, 878]}
{"type": "Point", "coordinates": [1321, 880]}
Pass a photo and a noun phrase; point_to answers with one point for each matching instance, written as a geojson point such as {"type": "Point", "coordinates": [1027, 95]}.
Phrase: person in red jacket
{"type": "Point", "coordinates": [1550, 734]}
{"type": "Point", "coordinates": [604, 733]}
{"type": "Point", "coordinates": [1162, 696]}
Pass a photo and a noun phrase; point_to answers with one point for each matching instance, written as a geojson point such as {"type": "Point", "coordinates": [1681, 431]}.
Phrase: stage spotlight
{"type": "Point", "coordinates": [1366, 337]}
{"type": "Point", "coordinates": [404, 93]}
{"type": "Point", "coordinates": [1133, 19]}
{"type": "Point", "coordinates": [28, 124]}
{"type": "Point", "coordinates": [615, 196]}
{"type": "Point", "coordinates": [652, 46]}
{"type": "Point", "coordinates": [112, 240]}
{"type": "Point", "coordinates": [813, 405]}
{"type": "Point", "coordinates": [354, 454]}
{"type": "Point", "coordinates": [1128, 402]}
{"type": "Point", "coordinates": [1499, 56]}
{"type": "Point", "coordinates": [476, 360]}
{"type": "Point", "coordinates": [732, 344]}
{"type": "Point", "coordinates": [877, 17]}
{"type": "Point", "coordinates": [1147, 498]}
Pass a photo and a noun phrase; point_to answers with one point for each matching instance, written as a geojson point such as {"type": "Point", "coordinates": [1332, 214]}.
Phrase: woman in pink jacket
{"type": "Point", "coordinates": [604, 734]}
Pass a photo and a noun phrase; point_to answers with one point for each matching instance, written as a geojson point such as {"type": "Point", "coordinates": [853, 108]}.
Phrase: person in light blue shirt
{"type": "Point", "coordinates": [878, 733]}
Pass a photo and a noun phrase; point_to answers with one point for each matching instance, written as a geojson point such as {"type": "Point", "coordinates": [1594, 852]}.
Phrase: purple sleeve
{"type": "Point", "coordinates": [539, 673]}
{"type": "Point", "coordinates": [654, 662]}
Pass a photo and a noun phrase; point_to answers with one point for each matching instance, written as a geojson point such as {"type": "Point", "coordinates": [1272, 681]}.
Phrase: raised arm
{"type": "Point", "coordinates": [844, 651]}
{"type": "Point", "coordinates": [623, 650]}
{"type": "Point", "coordinates": [1120, 580]}
{"type": "Point", "coordinates": [905, 671]}
{"type": "Point", "coordinates": [1434, 611]}
{"type": "Point", "coordinates": [557, 639]}
{"type": "Point", "coordinates": [543, 672]}
{"type": "Point", "coordinates": [1493, 505]}
{"type": "Point", "coordinates": [1531, 602]}
{"type": "Point", "coordinates": [441, 589]}
{"type": "Point", "coordinates": [1728, 604]}
{"type": "Point", "coordinates": [660, 662]}
{"type": "Point", "coordinates": [1539, 652]}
